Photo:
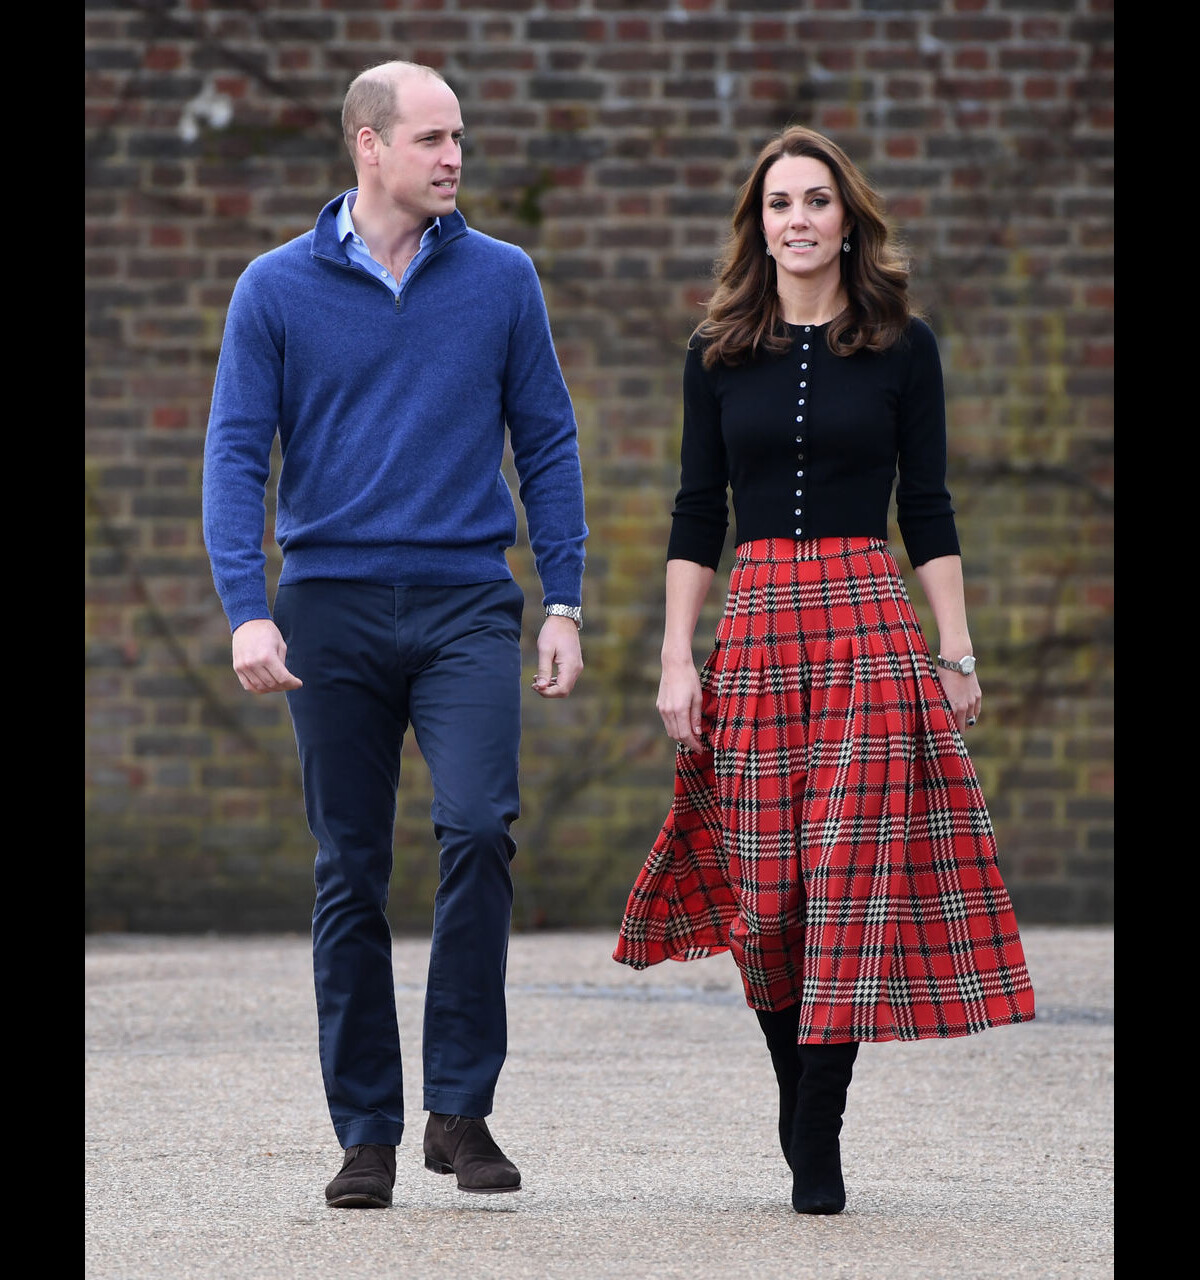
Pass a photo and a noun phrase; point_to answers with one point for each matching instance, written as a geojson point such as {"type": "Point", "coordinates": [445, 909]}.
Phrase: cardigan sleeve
{"type": "Point", "coordinates": [700, 517]}
{"type": "Point", "coordinates": [924, 512]}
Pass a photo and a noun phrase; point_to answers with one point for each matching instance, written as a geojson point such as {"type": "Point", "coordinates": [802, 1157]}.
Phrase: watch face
{"type": "Point", "coordinates": [968, 665]}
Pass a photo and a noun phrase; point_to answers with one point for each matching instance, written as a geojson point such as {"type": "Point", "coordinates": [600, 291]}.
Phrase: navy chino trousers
{"type": "Point", "coordinates": [374, 660]}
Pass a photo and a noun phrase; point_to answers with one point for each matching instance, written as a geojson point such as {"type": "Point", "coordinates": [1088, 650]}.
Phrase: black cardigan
{"type": "Point", "coordinates": [811, 444]}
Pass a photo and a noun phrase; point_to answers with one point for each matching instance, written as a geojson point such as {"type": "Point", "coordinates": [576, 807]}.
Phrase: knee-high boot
{"type": "Point", "coordinates": [780, 1029]}
{"type": "Point", "coordinates": [816, 1155]}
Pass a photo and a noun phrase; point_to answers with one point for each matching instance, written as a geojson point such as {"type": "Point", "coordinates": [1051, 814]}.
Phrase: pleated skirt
{"type": "Point", "coordinates": [832, 835]}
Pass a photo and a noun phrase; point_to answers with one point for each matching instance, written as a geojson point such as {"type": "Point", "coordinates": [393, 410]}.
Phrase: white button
{"type": "Point", "coordinates": [800, 418]}
{"type": "Point", "coordinates": [799, 474]}
{"type": "Point", "coordinates": [808, 328]}
{"type": "Point", "coordinates": [799, 532]}
{"type": "Point", "coordinates": [798, 512]}
{"type": "Point", "coordinates": [799, 401]}
{"type": "Point", "coordinates": [803, 385]}
{"type": "Point", "coordinates": [804, 347]}
{"type": "Point", "coordinates": [804, 366]}
{"type": "Point", "coordinates": [797, 493]}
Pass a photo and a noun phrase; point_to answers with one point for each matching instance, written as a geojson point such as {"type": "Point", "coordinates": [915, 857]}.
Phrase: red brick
{"type": "Point", "coordinates": [162, 58]}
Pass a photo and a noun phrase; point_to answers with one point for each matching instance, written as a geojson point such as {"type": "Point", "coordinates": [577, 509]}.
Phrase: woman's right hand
{"type": "Point", "coordinates": [679, 697]}
{"type": "Point", "coordinates": [679, 703]}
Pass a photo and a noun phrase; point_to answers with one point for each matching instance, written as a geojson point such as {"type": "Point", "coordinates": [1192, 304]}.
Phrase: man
{"type": "Point", "coordinates": [390, 348]}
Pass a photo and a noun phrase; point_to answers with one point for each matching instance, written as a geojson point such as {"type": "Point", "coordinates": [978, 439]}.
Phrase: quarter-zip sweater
{"type": "Point", "coordinates": [810, 445]}
{"type": "Point", "coordinates": [391, 414]}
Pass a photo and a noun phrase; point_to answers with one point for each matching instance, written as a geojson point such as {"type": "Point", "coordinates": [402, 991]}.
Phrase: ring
{"type": "Point", "coordinates": [970, 721]}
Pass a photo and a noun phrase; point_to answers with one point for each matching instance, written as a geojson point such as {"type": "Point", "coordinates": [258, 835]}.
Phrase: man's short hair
{"type": "Point", "coordinates": [371, 100]}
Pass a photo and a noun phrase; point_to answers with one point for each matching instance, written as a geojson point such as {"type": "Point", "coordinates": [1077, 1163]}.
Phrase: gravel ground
{"type": "Point", "coordinates": [640, 1108]}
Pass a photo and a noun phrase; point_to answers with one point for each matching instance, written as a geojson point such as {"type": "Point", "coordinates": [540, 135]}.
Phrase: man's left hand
{"type": "Point", "coordinates": [560, 659]}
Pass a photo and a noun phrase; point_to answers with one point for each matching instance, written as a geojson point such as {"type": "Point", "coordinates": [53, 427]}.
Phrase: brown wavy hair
{"type": "Point", "coordinates": [744, 317]}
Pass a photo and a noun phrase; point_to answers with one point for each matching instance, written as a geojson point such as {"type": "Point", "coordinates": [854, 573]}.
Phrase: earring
{"type": "Point", "coordinates": [769, 253]}
{"type": "Point", "coordinates": [845, 246]}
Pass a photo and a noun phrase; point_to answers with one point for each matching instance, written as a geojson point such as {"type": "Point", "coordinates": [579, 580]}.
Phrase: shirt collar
{"type": "Point", "coordinates": [345, 223]}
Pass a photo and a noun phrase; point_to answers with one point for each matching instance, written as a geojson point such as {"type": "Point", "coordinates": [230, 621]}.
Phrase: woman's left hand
{"type": "Point", "coordinates": [965, 696]}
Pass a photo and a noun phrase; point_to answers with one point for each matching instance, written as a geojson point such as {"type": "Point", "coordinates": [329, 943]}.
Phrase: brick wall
{"type": "Point", "coordinates": [607, 138]}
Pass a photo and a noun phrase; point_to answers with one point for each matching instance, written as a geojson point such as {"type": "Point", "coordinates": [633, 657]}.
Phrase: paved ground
{"type": "Point", "coordinates": [639, 1107]}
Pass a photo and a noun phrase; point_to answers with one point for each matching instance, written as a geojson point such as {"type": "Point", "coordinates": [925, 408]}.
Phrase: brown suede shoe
{"type": "Point", "coordinates": [366, 1180]}
{"type": "Point", "coordinates": [463, 1146]}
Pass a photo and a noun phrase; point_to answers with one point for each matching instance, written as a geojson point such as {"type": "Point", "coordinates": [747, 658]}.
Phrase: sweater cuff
{"type": "Point", "coordinates": [697, 541]}
{"type": "Point", "coordinates": [928, 539]}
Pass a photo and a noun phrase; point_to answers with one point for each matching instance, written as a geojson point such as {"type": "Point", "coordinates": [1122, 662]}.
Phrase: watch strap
{"type": "Point", "coordinates": [572, 611]}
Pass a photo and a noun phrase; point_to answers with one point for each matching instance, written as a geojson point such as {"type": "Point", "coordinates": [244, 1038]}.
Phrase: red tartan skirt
{"type": "Point", "coordinates": [832, 836]}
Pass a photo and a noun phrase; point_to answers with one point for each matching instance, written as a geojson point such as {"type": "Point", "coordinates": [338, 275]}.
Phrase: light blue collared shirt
{"type": "Point", "coordinates": [356, 247]}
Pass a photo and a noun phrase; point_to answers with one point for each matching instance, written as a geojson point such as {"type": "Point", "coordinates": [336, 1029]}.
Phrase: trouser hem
{"type": "Point", "coordinates": [449, 1103]}
{"type": "Point", "coordinates": [368, 1133]}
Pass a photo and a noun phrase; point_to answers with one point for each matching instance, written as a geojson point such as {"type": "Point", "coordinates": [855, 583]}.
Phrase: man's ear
{"type": "Point", "coordinates": [366, 146]}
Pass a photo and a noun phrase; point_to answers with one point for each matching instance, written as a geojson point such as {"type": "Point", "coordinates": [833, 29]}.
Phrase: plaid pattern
{"type": "Point", "coordinates": [833, 838]}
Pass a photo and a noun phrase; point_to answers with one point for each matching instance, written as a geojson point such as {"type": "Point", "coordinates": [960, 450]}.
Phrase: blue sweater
{"type": "Point", "coordinates": [391, 416]}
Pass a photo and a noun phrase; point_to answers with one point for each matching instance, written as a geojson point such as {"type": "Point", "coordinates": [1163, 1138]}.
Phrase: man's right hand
{"type": "Point", "coordinates": [258, 658]}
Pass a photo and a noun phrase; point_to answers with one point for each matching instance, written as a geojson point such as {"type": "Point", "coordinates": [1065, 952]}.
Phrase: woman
{"type": "Point", "coordinates": [827, 828]}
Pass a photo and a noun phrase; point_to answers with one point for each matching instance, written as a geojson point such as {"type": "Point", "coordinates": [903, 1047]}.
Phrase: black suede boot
{"type": "Point", "coordinates": [780, 1027]}
{"type": "Point", "coordinates": [367, 1177]}
{"type": "Point", "coordinates": [464, 1146]}
{"type": "Point", "coordinates": [816, 1160]}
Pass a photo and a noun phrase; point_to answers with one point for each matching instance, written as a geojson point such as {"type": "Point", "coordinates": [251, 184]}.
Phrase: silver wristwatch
{"type": "Point", "coordinates": [964, 666]}
{"type": "Point", "coordinates": [572, 611]}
